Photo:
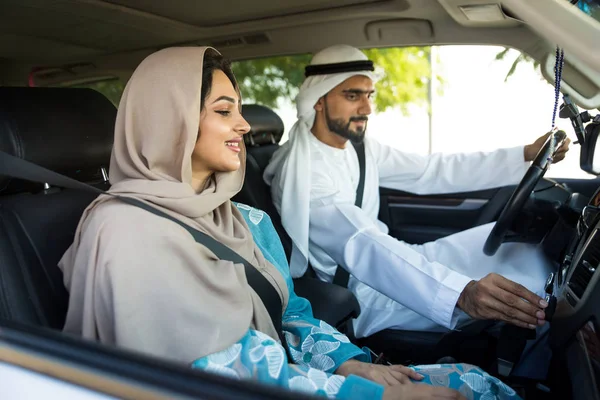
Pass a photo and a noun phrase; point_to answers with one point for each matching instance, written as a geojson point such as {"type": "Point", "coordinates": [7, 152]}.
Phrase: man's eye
{"type": "Point", "coordinates": [351, 96]}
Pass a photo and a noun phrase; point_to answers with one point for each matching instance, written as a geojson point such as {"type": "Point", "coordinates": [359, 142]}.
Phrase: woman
{"type": "Point", "coordinates": [140, 281]}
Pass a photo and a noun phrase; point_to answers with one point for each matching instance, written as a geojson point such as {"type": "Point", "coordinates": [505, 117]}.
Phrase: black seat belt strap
{"type": "Point", "coordinates": [342, 276]}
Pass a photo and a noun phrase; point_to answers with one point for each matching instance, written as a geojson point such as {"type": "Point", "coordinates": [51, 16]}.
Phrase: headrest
{"type": "Point", "coordinates": [63, 129]}
{"type": "Point", "coordinates": [265, 125]}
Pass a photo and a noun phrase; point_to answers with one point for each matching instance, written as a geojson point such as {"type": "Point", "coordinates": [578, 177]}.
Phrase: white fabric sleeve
{"type": "Point", "coordinates": [387, 265]}
{"type": "Point", "coordinates": [448, 173]}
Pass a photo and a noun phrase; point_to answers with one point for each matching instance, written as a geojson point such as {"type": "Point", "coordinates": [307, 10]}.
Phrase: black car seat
{"type": "Point", "coordinates": [66, 130]}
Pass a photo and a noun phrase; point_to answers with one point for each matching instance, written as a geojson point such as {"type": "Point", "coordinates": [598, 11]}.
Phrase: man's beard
{"type": "Point", "coordinates": [342, 128]}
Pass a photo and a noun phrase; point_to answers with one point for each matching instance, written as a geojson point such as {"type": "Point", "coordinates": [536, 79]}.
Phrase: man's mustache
{"type": "Point", "coordinates": [361, 118]}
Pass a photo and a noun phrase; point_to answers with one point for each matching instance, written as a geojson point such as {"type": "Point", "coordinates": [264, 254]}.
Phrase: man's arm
{"type": "Point", "coordinates": [448, 173]}
{"type": "Point", "coordinates": [452, 173]}
{"type": "Point", "coordinates": [431, 289]}
{"type": "Point", "coordinates": [387, 265]}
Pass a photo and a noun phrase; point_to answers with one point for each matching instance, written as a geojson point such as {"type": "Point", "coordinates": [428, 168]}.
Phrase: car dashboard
{"type": "Point", "coordinates": [574, 331]}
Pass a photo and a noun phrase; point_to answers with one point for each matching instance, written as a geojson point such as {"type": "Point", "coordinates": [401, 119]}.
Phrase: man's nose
{"type": "Point", "coordinates": [365, 107]}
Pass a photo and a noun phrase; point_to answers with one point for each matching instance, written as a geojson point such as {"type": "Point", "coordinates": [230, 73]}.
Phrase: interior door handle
{"type": "Point", "coordinates": [436, 203]}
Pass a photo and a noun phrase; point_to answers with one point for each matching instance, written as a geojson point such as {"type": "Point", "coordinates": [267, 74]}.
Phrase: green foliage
{"type": "Point", "coordinates": [405, 76]}
{"type": "Point", "coordinates": [405, 80]}
{"type": "Point", "coordinates": [112, 89]}
{"type": "Point", "coordinates": [267, 80]}
{"type": "Point", "coordinates": [521, 58]}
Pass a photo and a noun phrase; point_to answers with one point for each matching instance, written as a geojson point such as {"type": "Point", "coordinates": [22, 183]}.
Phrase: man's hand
{"type": "Point", "coordinates": [415, 391]}
{"type": "Point", "coordinates": [497, 298]}
{"type": "Point", "coordinates": [386, 375]}
{"type": "Point", "coordinates": [531, 150]}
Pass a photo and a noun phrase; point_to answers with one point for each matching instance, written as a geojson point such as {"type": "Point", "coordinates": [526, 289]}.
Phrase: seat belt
{"type": "Point", "coordinates": [18, 168]}
{"type": "Point", "coordinates": [342, 276]}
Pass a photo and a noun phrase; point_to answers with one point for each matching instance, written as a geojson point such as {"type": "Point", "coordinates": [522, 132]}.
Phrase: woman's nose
{"type": "Point", "coordinates": [243, 126]}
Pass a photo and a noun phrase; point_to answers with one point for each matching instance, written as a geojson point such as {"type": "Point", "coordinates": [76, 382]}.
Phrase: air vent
{"type": "Point", "coordinates": [586, 267]}
{"type": "Point", "coordinates": [259, 38]}
{"type": "Point", "coordinates": [227, 42]}
{"type": "Point", "coordinates": [253, 39]}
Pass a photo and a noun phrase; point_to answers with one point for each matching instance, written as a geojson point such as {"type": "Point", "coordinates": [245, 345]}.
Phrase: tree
{"type": "Point", "coordinates": [268, 80]}
{"type": "Point", "coordinates": [521, 58]}
{"type": "Point", "coordinates": [405, 77]}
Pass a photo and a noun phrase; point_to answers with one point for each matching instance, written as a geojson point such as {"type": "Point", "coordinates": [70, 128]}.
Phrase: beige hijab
{"type": "Point", "coordinates": [211, 306]}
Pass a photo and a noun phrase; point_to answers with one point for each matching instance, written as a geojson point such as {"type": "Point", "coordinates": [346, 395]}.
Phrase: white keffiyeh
{"type": "Point", "coordinates": [289, 171]}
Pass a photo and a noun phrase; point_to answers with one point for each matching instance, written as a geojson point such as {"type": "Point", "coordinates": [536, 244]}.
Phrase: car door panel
{"type": "Point", "coordinates": [420, 219]}
{"type": "Point", "coordinates": [52, 361]}
{"type": "Point", "coordinates": [423, 218]}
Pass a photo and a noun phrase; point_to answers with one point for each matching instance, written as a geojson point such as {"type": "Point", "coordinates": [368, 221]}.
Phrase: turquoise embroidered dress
{"type": "Point", "coordinates": [318, 349]}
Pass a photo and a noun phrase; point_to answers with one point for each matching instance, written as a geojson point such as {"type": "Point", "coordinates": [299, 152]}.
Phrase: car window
{"type": "Point", "coordinates": [481, 98]}
{"type": "Point", "coordinates": [111, 88]}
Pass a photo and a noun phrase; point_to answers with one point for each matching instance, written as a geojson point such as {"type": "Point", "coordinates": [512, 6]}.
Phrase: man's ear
{"type": "Point", "coordinates": [320, 104]}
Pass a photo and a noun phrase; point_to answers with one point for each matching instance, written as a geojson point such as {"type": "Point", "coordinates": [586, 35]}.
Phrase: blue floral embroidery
{"type": "Point", "coordinates": [318, 349]}
{"type": "Point", "coordinates": [317, 381]}
{"type": "Point", "coordinates": [220, 362]}
{"type": "Point", "coordinates": [469, 380]}
{"type": "Point", "coordinates": [258, 356]}
{"type": "Point", "coordinates": [314, 353]}
{"type": "Point", "coordinates": [488, 386]}
{"type": "Point", "coordinates": [263, 346]}
{"type": "Point", "coordinates": [326, 329]}
{"type": "Point", "coordinates": [256, 216]}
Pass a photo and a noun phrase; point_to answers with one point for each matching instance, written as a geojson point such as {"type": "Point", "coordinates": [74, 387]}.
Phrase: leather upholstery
{"type": "Point", "coordinates": [266, 126]}
{"type": "Point", "coordinates": [66, 130]}
{"type": "Point", "coordinates": [69, 131]}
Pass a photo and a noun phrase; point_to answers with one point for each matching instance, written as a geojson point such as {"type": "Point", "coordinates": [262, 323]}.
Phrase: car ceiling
{"type": "Point", "coordinates": [110, 37]}
{"type": "Point", "coordinates": [64, 31]}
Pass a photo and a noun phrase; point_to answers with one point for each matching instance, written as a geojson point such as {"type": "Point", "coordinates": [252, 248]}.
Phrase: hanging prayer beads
{"type": "Point", "coordinates": [558, 68]}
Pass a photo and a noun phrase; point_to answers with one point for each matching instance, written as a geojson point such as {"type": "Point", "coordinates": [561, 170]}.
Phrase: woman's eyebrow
{"type": "Point", "coordinates": [226, 98]}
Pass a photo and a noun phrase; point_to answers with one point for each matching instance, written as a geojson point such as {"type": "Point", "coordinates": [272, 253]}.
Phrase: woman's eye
{"type": "Point", "coordinates": [224, 112]}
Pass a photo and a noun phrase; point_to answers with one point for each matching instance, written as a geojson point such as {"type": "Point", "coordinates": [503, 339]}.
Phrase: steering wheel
{"type": "Point", "coordinates": [519, 197]}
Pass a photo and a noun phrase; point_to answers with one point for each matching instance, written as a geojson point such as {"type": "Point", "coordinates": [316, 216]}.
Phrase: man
{"type": "Point", "coordinates": [430, 287]}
